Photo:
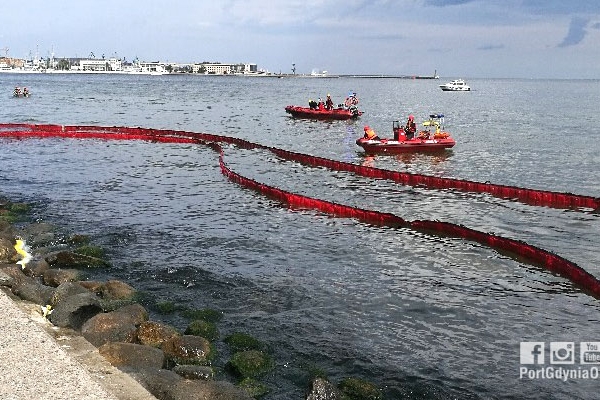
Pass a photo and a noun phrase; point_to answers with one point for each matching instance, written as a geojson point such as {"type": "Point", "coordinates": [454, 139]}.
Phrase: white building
{"type": "Point", "coordinates": [224, 69]}
{"type": "Point", "coordinates": [97, 65]}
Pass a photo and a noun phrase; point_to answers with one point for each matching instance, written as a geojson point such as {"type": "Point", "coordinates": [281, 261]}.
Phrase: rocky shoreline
{"type": "Point", "coordinates": [56, 275]}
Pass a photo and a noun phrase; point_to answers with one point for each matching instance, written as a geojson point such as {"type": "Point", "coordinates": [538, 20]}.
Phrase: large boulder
{"type": "Point", "coordinates": [23, 286]}
{"type": "Point", "coordinates": [68, 289]}
{"type": "Point", "coordinates": [207, 390]}
{"type": "Point", "coordinates": [55, 277]}
{"type": "Point", "coordinates": [357, 388]}
{"type": "Point", "coordinates": [115, 326]}
{"type": "Point", "coordinates": [205, 329]}
{"type": "Point", "coordinates": [8, 253]}
{"type": "Point", "coordinates": [188, 349]}
{"type": "Point", "coordinates": [132, 355]}
{"type": "Point", "coordinates": [69, 259]}
{"type": "Point", "coordinates": [251, 363]}
{"type": "Point", "coordinates": [31, 290]}
{"type": "Point", "coordinates": [159, 382]}
{"type": "Point", "coordinates": [14, 272]}
{"type": "Point", "coordinates": [75, 310]}
{"type": "Point", "coordinates": [117, 290]}
{"type": "Point", "coordinates": [154, 334]}
{"type": "Point", "coordinates": [36, 267]}
{"type": "Point", "coordinates": [322, 389]}
{"type": "Point", "coordinates": [199, 372]}
{"type": "Point", "coordinates": [6, 229]}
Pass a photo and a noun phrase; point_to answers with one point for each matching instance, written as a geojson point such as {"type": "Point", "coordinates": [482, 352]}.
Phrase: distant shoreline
{"type": "Point", "coordinates": [266, 75]}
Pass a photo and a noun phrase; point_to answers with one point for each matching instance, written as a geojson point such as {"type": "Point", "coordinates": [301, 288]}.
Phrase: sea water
{"type": "Point", "coordinates": [421, 316]}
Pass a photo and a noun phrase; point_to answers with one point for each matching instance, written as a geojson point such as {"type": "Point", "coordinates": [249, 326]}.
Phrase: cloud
{"type": "Point", "coordinates": [576, 32]}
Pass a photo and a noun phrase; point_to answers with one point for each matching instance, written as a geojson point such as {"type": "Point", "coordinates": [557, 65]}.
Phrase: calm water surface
{"type": "Point", "coordinates": [423, 317]}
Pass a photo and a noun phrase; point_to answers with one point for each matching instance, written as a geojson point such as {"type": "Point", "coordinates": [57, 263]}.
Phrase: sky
{"type": "Point", "coordinates": [557, 39]}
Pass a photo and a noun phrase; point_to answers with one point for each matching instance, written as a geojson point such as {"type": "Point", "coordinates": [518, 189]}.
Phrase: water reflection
{"type": "Point", "coordinates": [408, 158]}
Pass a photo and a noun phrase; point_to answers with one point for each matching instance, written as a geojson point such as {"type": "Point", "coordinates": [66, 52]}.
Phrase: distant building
{"type": "Point", "coordinates": [9, 62]}
{"type": "Point", "coordinates": [97, 65]}
{"type": "Point", "coordinates": [152, 66]}
{"type": "Point", "coordinates": [224, 69]}
{"type": "Point", "coordinates": [113, 64]}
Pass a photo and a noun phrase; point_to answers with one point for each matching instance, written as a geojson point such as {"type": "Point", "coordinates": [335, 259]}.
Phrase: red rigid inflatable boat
{"type": "Point", "coordinates": [424, 141]}
{"type": "Point", "coordinates": [315, 113]}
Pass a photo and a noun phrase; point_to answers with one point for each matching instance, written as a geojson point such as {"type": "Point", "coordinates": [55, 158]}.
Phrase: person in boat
{"type": "Point", "coordinates": [320, 105]}
{"type": "Point", "coordinates": [328, 102]}
{"type": "Point", "coordinates": [410, 128]}
{"type": "Point", "coordinates": [348, 102]}
{"type": "Point", "coordinates": [370, 134]}
{"type": "Point", "coordinates": [17, 91]}
{"type": "Point", "coordinates": [25, 92]}
{"type": "Point", "coordinates": [312, 104]}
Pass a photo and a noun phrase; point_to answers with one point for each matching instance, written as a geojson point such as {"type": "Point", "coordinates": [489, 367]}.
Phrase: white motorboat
{"type": "Point", "coordinates": [457, 85]}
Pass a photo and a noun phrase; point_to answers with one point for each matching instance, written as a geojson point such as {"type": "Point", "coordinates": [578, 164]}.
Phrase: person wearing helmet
{"type": "Point", "coordinates": [410, 128]}
{"type": "Point", "coordinates": [17, 91]}
{"type": "Point", "coordinates": [25, 92]}
{"type": "Point", "coordinates": [349, 100]}
{"type": "Point", "coordinates": [370, 134]}
{"type": "Point", "coordinates": [328, 102]}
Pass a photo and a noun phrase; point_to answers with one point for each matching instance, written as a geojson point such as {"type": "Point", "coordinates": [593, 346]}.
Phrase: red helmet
{"type": "Point", "coordinates": [411, 117]}
{"type": "Point", "coordinates": [367, 127]}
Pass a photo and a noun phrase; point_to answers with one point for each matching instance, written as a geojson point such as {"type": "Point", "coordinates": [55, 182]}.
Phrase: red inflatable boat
{"type": "Point", "coordinates": [316, 113]}
{"type": "Point", "coordinates": [424, 141]}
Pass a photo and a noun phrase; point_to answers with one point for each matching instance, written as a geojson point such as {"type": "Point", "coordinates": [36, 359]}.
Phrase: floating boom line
{"type": "Point", "coordinates": [533, 255]}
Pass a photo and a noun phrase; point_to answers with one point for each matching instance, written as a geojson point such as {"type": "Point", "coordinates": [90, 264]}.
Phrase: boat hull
{"type": "Point", "coordinates": [457, 85]}
{"type": "Point", "coordinates": [451, 89]}
{"type": "Point", "coordinates": [386, 146]}
{"type": "Point", "coordinates": [336, 113]}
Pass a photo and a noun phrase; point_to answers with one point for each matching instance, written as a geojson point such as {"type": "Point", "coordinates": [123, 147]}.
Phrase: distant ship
{"type": "Point", "coordinates": [322, 74]}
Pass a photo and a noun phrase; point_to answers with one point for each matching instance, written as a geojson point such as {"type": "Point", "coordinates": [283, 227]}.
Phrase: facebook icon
{"type": "Point", "coordinates": [532, 352]}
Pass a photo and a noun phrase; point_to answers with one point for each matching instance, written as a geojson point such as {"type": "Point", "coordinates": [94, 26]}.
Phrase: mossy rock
{"type": "Point", "coordinates": [166, 307]}
{"type": "Point", "coordinates": [188, 350]}
{"type": "Point", "coordinates": [9, 217]}
{"type": "Point", "coordinates": [19, 208]}
{"type": "Point", "coordinates": [359, 389]}
{"type": "Point", "coordinates": [242, 342]}
{"type": "Point", "coordinates": [80, 239]}
{"type": "Point", "coordinates": [206, 314]}
{"type": "Point", "coordinates": [251, 363]}
{"type": "Point", "coordinates": [205, 329]}
{"type": "Point", "coordinates": [254, 388]}
{"type": "Point", "coordinates": [113, 305]}
{"type": "Point", "coordinates": [91, 251]}
{"type": "Point", "coordinates": [68, 259]}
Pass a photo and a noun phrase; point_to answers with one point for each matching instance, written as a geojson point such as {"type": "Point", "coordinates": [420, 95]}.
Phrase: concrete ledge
{"type": "Point", "coordinates": [41, 361]}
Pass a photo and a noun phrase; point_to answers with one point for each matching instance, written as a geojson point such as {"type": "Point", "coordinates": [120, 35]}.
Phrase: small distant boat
{"type": "Point", "coordinates": [457, 85]}
{"type": "Point", "coordinates": [316, 113]}
{"type": "Point", "coordinates": [18, 93]}
{"type": "Point", "coordinates": [424, 141]}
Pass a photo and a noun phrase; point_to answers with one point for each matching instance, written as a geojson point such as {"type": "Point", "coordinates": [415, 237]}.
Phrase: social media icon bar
{"type": "Point", "coordinates": [589, 352]}
{"type": "Point", "coordinates": [532, 352]}
{"type": "Point", "coordinates": [562, 352]}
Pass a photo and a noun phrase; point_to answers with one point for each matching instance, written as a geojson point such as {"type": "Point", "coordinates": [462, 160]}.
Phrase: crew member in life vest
{"type": "Point", "coordinates": [370, 134]}
{"type": "Point", "coordinates": [410, 128]}
{"type": "Point", "coordinates": [320, 105]}
{"type": "Point", "coordinates": [328, 102]}
{"type": "Point", "coordinates": [351, 100]}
